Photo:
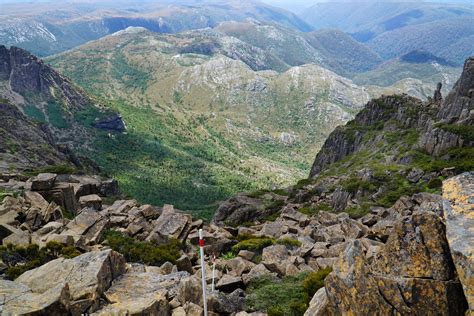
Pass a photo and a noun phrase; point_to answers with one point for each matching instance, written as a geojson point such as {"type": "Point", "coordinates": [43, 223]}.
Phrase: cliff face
{"type": "Point", "coordinates": [45, 116]}
{"type": "Point", "coordinates": [441, 124]}
{"type": "Point", "coordinates": [29, 75]}
{"type": "Point", "coordinates": [26, 145]}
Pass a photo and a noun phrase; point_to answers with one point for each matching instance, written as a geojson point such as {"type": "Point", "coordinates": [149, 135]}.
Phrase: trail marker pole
{"type": "Point", "coordinates": [203, 272]}
{"type": "Point", "coordinates": [213, 272]}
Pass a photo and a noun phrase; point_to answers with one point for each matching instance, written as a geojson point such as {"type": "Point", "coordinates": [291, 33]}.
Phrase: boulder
{"type": "Point", "coordinates": [86, 227]}
{"type": "Point", "coordinates": [19, 299]}
{"type": "Point", "coordinates": [184, 264]}
{"type": "Point", "coordinates": [238, 266]}
{"type": "Point", "coordinates": [256, 272]}
{"type": "Point", "coordinates": [458, 193]}
{"type": "Point", "coordinates": [88, 276]}
{"type": "Point", "coordinates": [273, 257]}
{"type": "Point", "coordinates": [142, 293]}
{"type": "Point", "coordinates": [170, 225]}
{"type": "Point", "coordinates": [193, 309]}
{"type": "Point", "coordinates": [18, 238]}
{"type": "Point", "coordinates": [319, 304]}
{"type": "Point", "coordinates": [412, 274]}
{"type": "Point", "coordinates": [190, 290]}
{"type": "Point", "coordinates": [229, 283]}
{"type": "Point", "coordinates": [91, 201]}
{"type": "Point", "coordinates": [43, 182]}
{"type": "Point", "coordinates": [34, 199]}
{"type": "Point", "coordinates": [226, 304]}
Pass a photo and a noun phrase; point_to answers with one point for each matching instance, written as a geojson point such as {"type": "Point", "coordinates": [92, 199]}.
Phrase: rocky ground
{"type": "Point", "coordinates": [409, 258]}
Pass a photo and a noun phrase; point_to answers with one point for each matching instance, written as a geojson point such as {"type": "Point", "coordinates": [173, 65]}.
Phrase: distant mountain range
{"type": "Point", "coordinates": [392, 29]}
{"type": "Point", "coordinates": [45, 29]}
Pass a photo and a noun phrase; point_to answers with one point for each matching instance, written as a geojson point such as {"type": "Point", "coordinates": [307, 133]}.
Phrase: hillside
{"type": "Point", "coordinates": [245, 128]}
{"type": "Point", "coordinates": [415, 65]}
{"type": "Point", "coordinates": [47, 118]}
{"type": "Point", "coordinates": [331, 49]}
{"type": "Point", "coordinates": [44, 29]}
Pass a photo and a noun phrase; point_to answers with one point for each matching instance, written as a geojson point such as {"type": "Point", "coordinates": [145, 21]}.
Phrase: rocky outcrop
{"type": "Point", "coordinates": [413, 273]}
{"type": "Point", "coordinates": [88, 277]}
{"type": "Point", "coordinates": [458, 193]}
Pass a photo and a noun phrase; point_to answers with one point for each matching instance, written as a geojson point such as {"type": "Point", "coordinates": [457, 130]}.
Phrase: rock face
{"type": "Point", "coordinates": [412, 274]}
{"type": "Point", "coordinates": [458, 193]}
{"type": "Point", "coordinates": [88, 277]}
{"type": "Point", "coordinates": [142, 293]}
{"type": "Point", "coordinates": [23, 142]}
{"type": "Point", "coordinates": [19, 299]}
{"type": "Point", "coordinates": [30, 88]}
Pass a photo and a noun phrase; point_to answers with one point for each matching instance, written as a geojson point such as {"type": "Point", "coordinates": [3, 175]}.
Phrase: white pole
{"type": "Point", "coordinates": [213, 272]}
{"type": "Point", "coordinates": [203, 271]}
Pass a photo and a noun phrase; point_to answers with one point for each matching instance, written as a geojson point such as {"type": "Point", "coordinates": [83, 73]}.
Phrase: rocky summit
{"type": "Point", "coordinates": [382, 226]}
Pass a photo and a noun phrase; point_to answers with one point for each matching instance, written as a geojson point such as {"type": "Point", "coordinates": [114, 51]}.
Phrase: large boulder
{"type": "Point", "coordinates": [170, 225]}
{"type": "Point", "coordinates": [412, 274]}
{"type": "Point", "coordinates": [43, 181]}
{"type": "Point", "coordinates": [458, 193]}
{"type": "Point", "coordinates": [19, 299]}
{"type": "Point", "coordinates": [87, 227]}
{"type": "Point", "coordinates": [88, 276]}
{"type": "Point", "coordinates": [142, 293]}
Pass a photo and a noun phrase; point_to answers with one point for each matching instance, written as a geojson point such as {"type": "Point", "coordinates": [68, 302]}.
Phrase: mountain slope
{"type": "Point", "coordinates": [415, 65]}
{"type": "Point", "coordinates": [331, 49]}
{"type": "Point", "coordinates": [43, 30]}
{"type": "Point", "coordinates": [449, 38]}
{"type": "Point", "coordinates": [44, 112]}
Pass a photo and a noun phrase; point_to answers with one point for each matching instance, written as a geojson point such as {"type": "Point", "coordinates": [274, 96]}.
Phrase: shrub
{"type": "Point", "coordinates": [275, 311]}
{"type": "Point", "coordinates": [464, 131]}
{"type": "Point", "coordinates": [277, 297]}
{"type": "Point", "coordinates": [21, 259]}
{"type": "Point", "coordinates": [289, 242]}
{"type": "Point", "coordinates": [313, 282]}
{"type": "Point", "coordinates": [142, 251]}
{"type": "Point", "coordinates": [228, 255]}
{"type": "Point", "coordinates": [434, 183]}
{"type": "Point", "coordinates": [257, 194]}
{"type": "Point", "coordinates": [252, 243]}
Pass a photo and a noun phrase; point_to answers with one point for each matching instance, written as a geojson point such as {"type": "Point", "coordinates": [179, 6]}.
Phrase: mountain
{"type": "Point", "coordinates": [396, 28]}
{"type": "Point", "coordinates": [370, 224]}
{"type": "Point", "coordinates": [331, 49]}
{"type": "Point", "coordinates": [47, 118]}
{"type": "Point", "coordinates": [415, 65]}
{"type": "Point", "coordinates": [343, 54]}
{"type": "Point", "coordinates": [451, 39]}
{"type": "Point", "coordinates": [48, 28]}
